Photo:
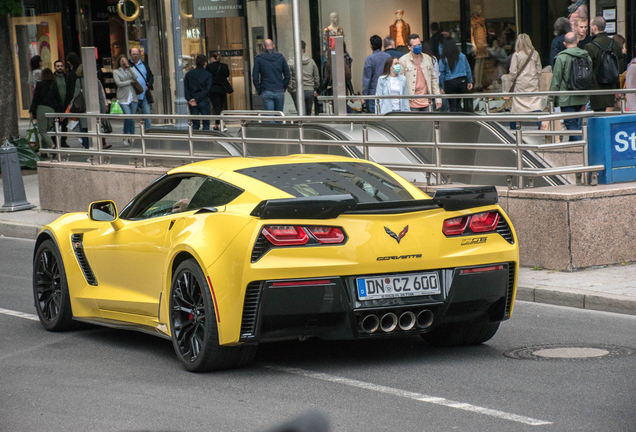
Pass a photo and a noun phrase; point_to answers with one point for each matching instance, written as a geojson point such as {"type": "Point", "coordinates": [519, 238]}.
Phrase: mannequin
{"type": "Point", "coordinates": [400, 31]}
{"type": "Point", "coordinates": [479, 38]}
{"type": "Point", "coordinates": [332, 30]}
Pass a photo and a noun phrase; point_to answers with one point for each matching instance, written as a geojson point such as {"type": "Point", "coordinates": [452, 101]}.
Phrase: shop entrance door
{"type": "Point", "coordinates": [226, 36]}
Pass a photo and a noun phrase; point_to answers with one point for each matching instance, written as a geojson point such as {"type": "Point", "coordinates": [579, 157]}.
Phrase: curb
{"type": "Point", "coordinates": [19, 230]}
{"type": "Point", "coordinates": [621, 304]}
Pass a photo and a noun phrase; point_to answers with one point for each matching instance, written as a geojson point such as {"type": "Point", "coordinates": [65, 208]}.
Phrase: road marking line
{"type": "Point", "coordinates": [409, 395]}
{"type": "Point", "coordinates": [19, 314]}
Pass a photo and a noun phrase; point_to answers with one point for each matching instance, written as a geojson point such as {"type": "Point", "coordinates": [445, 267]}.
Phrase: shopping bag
{"type": "Point", "coordinates": [115, 108]}
{"type": "Point", "coordinates": [106, 126]}
{"type": "Point", "coordinates": [33, 137]}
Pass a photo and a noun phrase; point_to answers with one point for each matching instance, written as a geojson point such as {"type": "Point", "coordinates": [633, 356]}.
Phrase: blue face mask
{"type": "Point", "coordinates": [417, 50]}
{"type": "Point", "coordinates": [396, 68]}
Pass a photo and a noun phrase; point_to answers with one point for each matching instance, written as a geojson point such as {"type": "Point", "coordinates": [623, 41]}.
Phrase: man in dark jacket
{"type": "Point", "coordinates": [597, 28]}
{"type": "Point", "coordinates": [197, 85]}
{"type": "Point", "coordinates": [389, 47]}
{"type": "Point", "coordinates": [271, 77]}
{"type": "Point", "coordinates": [73, 62]}
{"type": "Point", "coordinates": [436, 39]}
{"type": "Point", "coordinates": [373, 68]}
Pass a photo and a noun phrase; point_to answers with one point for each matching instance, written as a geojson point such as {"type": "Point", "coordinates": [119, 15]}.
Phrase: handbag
{"type": "Point", "coordinates": [78, 104]}
{"type": "Point", "coordinates": [106, 126]}
{"type": "Point", "coordinates": [115, 108]}
{"type": "Point", "coordinates": [138, 88]}
{"type": "Point", "coordinates": [149, 97]}
{"type": "Point", "coordinates": [33, 137]}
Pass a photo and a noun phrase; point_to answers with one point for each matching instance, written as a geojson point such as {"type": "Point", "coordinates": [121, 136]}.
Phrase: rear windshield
{"type": "Point", "coordinates": [365, 182]}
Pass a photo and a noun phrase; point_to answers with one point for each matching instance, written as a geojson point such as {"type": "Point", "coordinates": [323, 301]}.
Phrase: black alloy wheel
{"type": "Point", "coordinates": [50, 289]}
{"type": "Point", "coordinates": [193, 324]}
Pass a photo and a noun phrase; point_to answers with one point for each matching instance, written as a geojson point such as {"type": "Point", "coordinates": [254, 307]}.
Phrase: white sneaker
{"type": "Point", "coordinates": [126, 143]}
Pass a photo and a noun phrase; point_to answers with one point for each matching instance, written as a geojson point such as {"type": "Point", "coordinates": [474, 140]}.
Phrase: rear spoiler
{"type": "Point", "coordinates": [332, 206]}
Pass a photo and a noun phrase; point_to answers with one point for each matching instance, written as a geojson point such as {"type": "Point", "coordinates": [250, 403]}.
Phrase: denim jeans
{"type": "Point", "coordinates": [573, 124]}
{"type": "Point", "coordinates": [273, 101]}
{"type": "Point", "coordinates": [371, 105]}
{"type": "Point", "coordinates": [202, 108]}
{"type": "Point", "coordinates": [129, 124]}
{"type": "Point", "coordinates": [144, 107]}
{"type": "Point", "coordinates": [308, 95]}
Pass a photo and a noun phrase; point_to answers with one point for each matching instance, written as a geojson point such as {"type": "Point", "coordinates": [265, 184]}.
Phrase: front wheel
{"type": "Point", "coordinates": [462, 333]}
{"type": "Point", "coordinates": [193, 323]}
{"type": "Point", "coordinates": [50, 289]}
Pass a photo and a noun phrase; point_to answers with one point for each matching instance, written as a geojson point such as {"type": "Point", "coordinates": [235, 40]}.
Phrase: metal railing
{"type": "Point", "coordinates": [99, 155]}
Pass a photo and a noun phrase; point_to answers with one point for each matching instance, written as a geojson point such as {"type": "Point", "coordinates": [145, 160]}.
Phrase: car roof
{"type": "Point", "coordinates": [214, 167]}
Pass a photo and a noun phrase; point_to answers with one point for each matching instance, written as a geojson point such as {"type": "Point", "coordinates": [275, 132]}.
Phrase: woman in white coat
{"type": "Point", "coordinates": [392, 83]}
{"type": "Point", "coordinates": [525, 72]}
{"type": "Point", "coordinates": [126, 96]}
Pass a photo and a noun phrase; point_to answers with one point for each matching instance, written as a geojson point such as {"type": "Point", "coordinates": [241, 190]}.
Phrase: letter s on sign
{"type": "Point", "coordinates": [620, 139]}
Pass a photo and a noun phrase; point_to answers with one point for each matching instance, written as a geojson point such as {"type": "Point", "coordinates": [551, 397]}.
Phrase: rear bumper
{"type": "Point", "coordinates": [329, 307]}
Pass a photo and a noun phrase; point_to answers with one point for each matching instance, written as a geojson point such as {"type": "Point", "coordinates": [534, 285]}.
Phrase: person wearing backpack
{"type": "Point", "coordinates": [605, 54]}
{"type": "Point", "coordinates": [572, 71]}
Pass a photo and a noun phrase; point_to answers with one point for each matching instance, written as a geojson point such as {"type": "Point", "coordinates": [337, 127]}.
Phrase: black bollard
{"type": "Point", "coordinates": [14, 196]}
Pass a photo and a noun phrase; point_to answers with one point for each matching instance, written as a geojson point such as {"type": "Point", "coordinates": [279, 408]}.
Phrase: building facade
{"type": "Point", "coordinates": [485, 30]}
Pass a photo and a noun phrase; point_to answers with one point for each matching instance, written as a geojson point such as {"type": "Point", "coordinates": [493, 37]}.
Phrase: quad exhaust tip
{"type": "Point", "coordinates": [389, 322]}
{"type": "Point", "coordinates": [407, 321]}
{"type": "Point", "coordinates": [425, 319]}
{"type": "Point", "coordinates": [370, 324]}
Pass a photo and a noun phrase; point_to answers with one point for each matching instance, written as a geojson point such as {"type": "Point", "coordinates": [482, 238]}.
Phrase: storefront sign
{"type": "Point", "coordinates": [231, 53]}
{"type": "Point", "coordinates": [218, 8]}
{"type": "Point", "coordinates": [612, 142]}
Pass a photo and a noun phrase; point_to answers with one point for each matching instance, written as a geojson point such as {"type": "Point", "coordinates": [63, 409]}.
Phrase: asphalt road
{"type": "Point", "coordinates": [103, 379]}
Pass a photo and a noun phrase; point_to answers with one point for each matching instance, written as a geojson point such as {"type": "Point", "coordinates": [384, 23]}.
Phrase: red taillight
{"type": "Point", "coordinates": [455, 226]}
{"type": "Point", "coordinates": [484, 222]}
{"type": "Point", "coordinates": [327, 235]}
{"type": "Point", "coordinates": [481, 269]}
{"type": "Point", "coordinates": [285, 235]}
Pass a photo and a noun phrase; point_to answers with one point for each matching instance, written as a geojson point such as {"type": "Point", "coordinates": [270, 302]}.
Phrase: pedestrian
{"type": "Point", "coordinates": [271, 77]}
{"type": "Point", "coordinates": [581, 33]}
{"type": "Point", "coordinates": [326, 74]}
{"type": "Point", "coordinates": [419, 71]}
{"type": "Point", "coordinates": [311, 80]}
{"type": "Point", "coordinates": [373, 68]}
{"type": "Point", "coordinates": [455, 75]}
{"type": "Point", "coordinates": [198, 83]}
{"type": "Point", "coordinates": [436, 40]}
{"type": "Point", "coordinates": [80, 86]}
{"type": "Point", "coordinates": [600, 42]}
{"type": "Point", "coordinates": [426, 49]}
{"type": "Point", "coordinates": [60, 80]}
{"type": "Point", "coordinates": [72, 61]}
{"type": "Point", "coordinates": [623, 59]}
{"type": "Point", "coordinates": [145, 78]}
{"type": "Point", "coordinates": [630, 83]}
{"type": "Point", "coordinates": [221, 86]}
{"type": "Point", "coordinates": [35, 76]}
{"type": "Point", "coordinates": [126, 96]}
{"type": "Point", "coordinates": [391, 83]}
{"type": "Point", "coordinates": [561, 27]}
{"type": "Point", "coordinates": [561, 75]}
{"type": "Point", "coordinates": [525, 73]}
{"type": "Point", "coordinates": [46, 99]}
{"type": "Point", "coordinates": [389, 47]}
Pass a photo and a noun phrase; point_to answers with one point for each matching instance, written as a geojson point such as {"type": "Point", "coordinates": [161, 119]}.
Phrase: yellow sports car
{"type": "Point", "coordinates": [221, 255]}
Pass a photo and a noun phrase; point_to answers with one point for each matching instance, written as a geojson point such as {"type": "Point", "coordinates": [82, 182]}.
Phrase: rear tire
{"type": "Point", "coordinates": [463, 333]}
{"type": "Point", "coordinates": [50, 289]}
{"type": "Point", "coordinates": [195, 334]}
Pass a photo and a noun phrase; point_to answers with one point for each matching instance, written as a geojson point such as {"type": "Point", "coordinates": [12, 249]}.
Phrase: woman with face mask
{"type": "Point", "coordinates": [391, 83]}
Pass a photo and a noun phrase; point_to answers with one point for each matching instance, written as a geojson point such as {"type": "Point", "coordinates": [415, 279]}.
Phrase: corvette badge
{"type": "Point", "coordinates": [397, 237]}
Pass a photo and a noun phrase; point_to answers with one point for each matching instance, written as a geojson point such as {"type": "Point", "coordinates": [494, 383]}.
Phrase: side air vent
{"type": "Point", "coordinates": [78, 247]}
{"type": "Point", "coordinates": [261, 247]}
{"type": "Point", "coordinates": [503, 229]}
{"type": "Point", "coordinates": [250, 310]}
{"type": "Point", "coordinates": [511, 287]}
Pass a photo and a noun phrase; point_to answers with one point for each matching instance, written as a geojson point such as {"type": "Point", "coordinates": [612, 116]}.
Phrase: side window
{"type": "Point", "coordinates": [179, 193]}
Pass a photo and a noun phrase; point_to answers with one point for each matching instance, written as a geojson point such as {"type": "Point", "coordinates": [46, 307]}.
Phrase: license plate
{"type": "Point", "coordinates": [404, 285]}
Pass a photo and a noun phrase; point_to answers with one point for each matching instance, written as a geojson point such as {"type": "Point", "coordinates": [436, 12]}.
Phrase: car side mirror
{"type": "Point", "coordinates": [105, 211]}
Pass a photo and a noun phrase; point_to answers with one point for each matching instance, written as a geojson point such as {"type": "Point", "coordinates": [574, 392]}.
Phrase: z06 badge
{"type": "Point", "coordinates": [474, 240]}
